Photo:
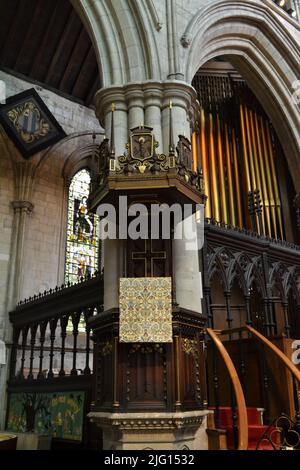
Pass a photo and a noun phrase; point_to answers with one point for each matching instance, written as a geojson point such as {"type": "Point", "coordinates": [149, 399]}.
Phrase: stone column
{"type": "Point", "coordinates": [147, 103]}
{"type": "Point", "coordinates": [22, 208]}
{"type": "Point", "coordinates": [183, 98]}
{"type": "Point", "coordinates": [104, 100]}
{"type": "Point", "coordinates": [135, 105]}
{"type": "Point", "coordinates": [153, 105]}
{"type": "Point", "coordinates": [186, 268]}
{"type": "Point", "coordinates": [21, 211]}
{"type": "Point", "coordinates": [24, 174]}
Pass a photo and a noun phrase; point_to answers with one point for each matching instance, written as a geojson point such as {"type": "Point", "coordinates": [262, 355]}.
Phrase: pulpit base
{"type": "Point", "coordinates": [153, 431]}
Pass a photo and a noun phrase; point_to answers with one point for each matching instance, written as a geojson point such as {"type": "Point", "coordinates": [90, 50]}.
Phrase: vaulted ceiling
{"type": "Point", "coordinates": [46, 41]}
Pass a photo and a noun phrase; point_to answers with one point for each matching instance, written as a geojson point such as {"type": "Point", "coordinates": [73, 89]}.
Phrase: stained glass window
{"type": "Point", "coordinates": [82, 242]}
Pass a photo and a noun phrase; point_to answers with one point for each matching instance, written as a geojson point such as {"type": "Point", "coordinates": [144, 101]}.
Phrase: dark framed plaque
{"type": "Point", "coordinates": [29, 123]}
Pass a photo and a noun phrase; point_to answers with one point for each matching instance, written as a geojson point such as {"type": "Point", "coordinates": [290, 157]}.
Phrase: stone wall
{"type": "Point", "coordinates": [6, 222]}
{"type": "Point", "coordinates": [33, 232]}
{"type": "Point", "coordinates": [42, 257]}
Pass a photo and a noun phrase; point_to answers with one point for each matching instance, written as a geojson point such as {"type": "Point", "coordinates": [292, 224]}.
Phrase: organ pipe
{"type": "Point", "coordinates": [230, 179]}
{"type": "Point", "coordinates": [264, 190]}
{"type": "Point", "coordinates": [237, 180]}
{"type": "Point", "coordinates": [234, 148]}
{"type": "Point", "coordinates": [275, 182]}
{"type": "Point", "coordinates": [245, 152]}
{"type": "Point", "coordinates": [221, 166]}
{"type": "Point", "coordinates": [213, 171]}
{"type": "Point", "coordinates": [205, 166]}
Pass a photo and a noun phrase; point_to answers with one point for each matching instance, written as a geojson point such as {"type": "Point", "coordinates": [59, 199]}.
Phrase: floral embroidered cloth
{"type": "Point", "coordinates": [146, 310]}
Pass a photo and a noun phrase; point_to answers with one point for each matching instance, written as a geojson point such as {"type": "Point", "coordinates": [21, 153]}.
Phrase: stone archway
{"type": "Point", "coordinates": [261, 42]}
{"type": "Point", "coordinates": [123, 35]}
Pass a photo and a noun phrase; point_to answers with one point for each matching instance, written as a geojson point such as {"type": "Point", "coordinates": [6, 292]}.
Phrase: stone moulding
{"type": "Point", "coordinates": [149, 421]}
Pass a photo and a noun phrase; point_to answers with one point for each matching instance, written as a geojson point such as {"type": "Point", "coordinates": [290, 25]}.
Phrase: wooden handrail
{"type": "Point", "coordinates": [240, 399]}
{"type": "Point", "coordinates": [283, 357]}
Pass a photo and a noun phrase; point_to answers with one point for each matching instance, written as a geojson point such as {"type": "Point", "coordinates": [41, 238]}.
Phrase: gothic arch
{"type": "Point", "coordinates": [278, 278]}
{"type": "Point", "coordinates": [222, 263]}
{"type": "Point", "coordinates": [292, 282]}
{"type": "Point", "coordinates": [80, 158]}
{"type": "Point", "coordinates": [123, 38]}
{"type": "Point", "coordinates": [262, 44]}
{"type": "Point", "coordinates": [255, 276]}
{"type": "Point", "coordinates": [243, 269]}
{"type": "Point", "coordinates": [70, 150]}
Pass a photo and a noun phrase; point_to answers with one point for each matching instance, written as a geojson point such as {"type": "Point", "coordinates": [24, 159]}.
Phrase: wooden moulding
{"type": "Point", "coordinates": [161, 185]}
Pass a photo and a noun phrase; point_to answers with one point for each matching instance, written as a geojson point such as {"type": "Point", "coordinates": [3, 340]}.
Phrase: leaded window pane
{"type": "Point", "coordinates": [82, 252]}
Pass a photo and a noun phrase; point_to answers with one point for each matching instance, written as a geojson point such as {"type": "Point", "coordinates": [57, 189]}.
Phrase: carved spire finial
{"type": "Point", "coordinates": [171, 137]}
{"type": "Point", "coordinates": [112, 160]}
{"type": "Point", "coordinates": [251, 207]}
{"type": "Point", "coordinates": [112, 131]}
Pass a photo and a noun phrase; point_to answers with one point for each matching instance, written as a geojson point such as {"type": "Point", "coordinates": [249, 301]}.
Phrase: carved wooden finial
{"type": "Point", "coordinates": [112, 138]}
{"type": "Point", "coordinates": [258, 209]}
{"type": "Point", "coordinates": [171, 137]}
{"type": "Point", "coordinates": [251, 207]}
{"type": "Point", "coordinates": [297, 208]}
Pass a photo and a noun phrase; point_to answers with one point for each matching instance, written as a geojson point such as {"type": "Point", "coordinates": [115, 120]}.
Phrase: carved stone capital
{"type": "Point", "coordinates": [137, 93]}
{"type": "Point", "coordinates": [22, 206]}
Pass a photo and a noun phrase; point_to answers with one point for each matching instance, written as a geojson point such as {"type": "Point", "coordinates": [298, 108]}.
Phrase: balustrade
{"type": "Point", "coordinates": [264, 271]}
{"type": "Point", "coordinates": [51, 333]}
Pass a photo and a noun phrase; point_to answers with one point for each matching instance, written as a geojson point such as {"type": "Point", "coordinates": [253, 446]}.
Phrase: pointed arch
{"type": "Point", "coordinates": [277, 278]}
{"type": "Point", "coordinates": [123, 38]}
{"type": "Point", "coordinates": [263, 44]}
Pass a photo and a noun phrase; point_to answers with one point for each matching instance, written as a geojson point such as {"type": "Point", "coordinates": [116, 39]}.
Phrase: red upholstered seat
{"type": "Point", "coordinates": [255, 427]}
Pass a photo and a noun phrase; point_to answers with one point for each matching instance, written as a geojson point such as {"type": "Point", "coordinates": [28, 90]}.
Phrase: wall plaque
{"type": "Point", "coordinates": [29, 123]}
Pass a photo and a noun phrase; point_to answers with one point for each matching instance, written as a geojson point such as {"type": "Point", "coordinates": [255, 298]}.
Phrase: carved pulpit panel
{"type": "Point", "coordinates": [142, 143]}
{"type": "Point", "coordinates": [148, 258]}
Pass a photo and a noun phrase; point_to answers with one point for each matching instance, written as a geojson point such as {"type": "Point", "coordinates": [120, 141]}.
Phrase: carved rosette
{"type": "Point", "coordinates": [190, 346]}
